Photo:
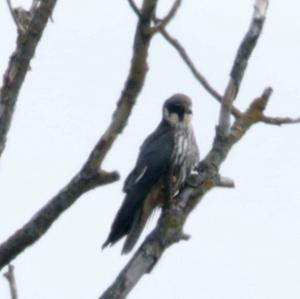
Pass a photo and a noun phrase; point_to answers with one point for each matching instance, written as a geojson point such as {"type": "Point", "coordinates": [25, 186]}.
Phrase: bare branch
{"type": "Point", "coordinates": [19, 65]}
{"type": "Point", "coordinates": [260, 9]}
{"type": "Point", "coordinates": [225, 111]}
{"type": "Point", "coordinates": [183, 54]}
{"type": "Point", "coordinates": [10, 276]}
{"type": "Point", "coordinates": [168, 230]}
{"type": "Point", "coordinates": [161, 24]}
{"type": "Point", "coordinates": [39, 224]}
{"type": "Point", "coordinates": [91, 175]}
{"type": "Point", "coordinates": [135, 8]}
{"type": "Point", "coordinates": [133, 84]}
{"type": "Point", "coordinates": [224, 182]}
{"type": "Point", "coordinates": [278, 121]}
{"type": "Point", "coordinates": [12, 12]}
{"type": "Point", "coordinates": [240, 65]}
{"type": "Point", "coordinates": [199, 77]}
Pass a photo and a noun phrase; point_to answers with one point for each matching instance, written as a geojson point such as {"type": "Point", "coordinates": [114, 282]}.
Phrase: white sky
{"type": "Point", "coordinates": [245, 242]}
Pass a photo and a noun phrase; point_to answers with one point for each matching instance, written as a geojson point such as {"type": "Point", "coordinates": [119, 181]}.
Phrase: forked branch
{"type": "Point", "coordinates": [240, 65]}
{"type": "Point", "coordinates": [161, 24]}
{"type": "Point", "coordinates": [27, 41]}
{"type": "Point", "coordinates": [186, 58]}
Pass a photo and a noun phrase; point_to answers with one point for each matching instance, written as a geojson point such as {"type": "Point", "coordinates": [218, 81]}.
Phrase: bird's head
{"type": "Point", "coordinates": [177, 110]}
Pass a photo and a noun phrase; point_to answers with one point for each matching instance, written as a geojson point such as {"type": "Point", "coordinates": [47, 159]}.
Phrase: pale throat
{"type": "Point", "coordinates": [173, 118]}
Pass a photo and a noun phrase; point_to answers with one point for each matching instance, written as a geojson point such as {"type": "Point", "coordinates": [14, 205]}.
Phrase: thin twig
{"type": "Point", "coordinates": [135, 8]}
{"type": "Point", "coordinates": [10, 276]}
{"type": "Point", "coordinates": [278, 121]}
{"type": "Point", "coordinates": [13, 15]}
{"type": "Point", "coordinates": [161, 24]}
{"type": "Point", "coordinates": [183, 54]}
{"type": "Point", "coordinates": [240, 65]}
{"type": "Point", "coordinates": [199, 77]}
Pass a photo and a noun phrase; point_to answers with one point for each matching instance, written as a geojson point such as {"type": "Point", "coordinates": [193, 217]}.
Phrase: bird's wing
{"type": "Point", "coordinates": [153, 162]}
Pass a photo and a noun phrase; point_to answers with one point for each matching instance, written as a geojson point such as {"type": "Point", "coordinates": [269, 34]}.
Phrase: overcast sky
{"type": "Point", "coordinates": [245, 242]}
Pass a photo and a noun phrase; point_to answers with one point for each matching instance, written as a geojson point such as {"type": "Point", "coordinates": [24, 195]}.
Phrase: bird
{"type": "Point", "coordinates": [166, 158]}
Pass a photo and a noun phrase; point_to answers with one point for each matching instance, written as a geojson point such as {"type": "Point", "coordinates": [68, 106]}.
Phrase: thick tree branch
{"type": "Point", "coordinates": [10, 276]}
{"type": "Point", "coordinates": [91, 175]}
{"type": "Point", "coordinates": [18, 66]}
{"type": "Point", "coordinates": [133, 85]}
{"type": "Point", "coordinates": [39, 224]}
{"type": "Point", "coordinates": [169, 229]}
{"type": "Point", "coordinates": [240, 65]}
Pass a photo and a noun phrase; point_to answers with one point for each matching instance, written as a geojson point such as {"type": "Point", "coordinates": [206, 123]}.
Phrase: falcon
{"type": "Point", "coordinates": [166, 159]}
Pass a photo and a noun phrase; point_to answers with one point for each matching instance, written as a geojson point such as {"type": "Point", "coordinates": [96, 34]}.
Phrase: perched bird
{"type": "Point", "coordinates": [166, 159]}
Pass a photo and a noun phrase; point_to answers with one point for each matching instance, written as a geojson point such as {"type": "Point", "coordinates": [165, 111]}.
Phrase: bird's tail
{"type": "Point", "coordinates": [136, 229]}
{"type": "Point", "coordinates": [133, 233]}
{"type": "Point", "coordinates": [130, 221]}
{"type": "Point", "coordinates": [121, 225]}
{"type": "Point", "coordinates": [139, 222]}
{"type": "Point", "coordinates": [125, 221]}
